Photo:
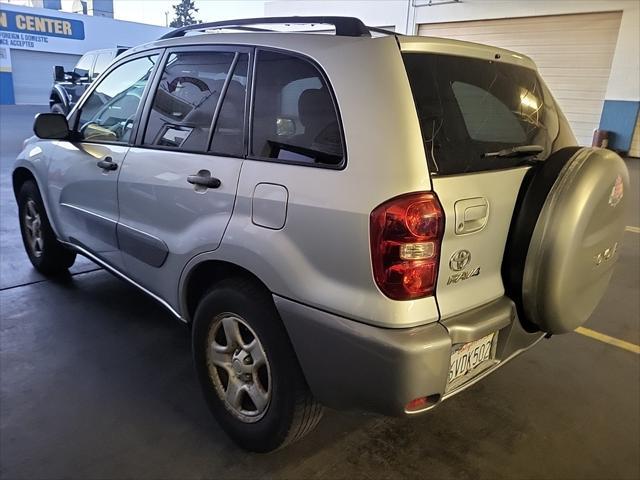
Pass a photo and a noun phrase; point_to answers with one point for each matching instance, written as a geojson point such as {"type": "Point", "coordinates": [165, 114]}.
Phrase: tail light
{"type": "Point", "coordinates": [406, 233]}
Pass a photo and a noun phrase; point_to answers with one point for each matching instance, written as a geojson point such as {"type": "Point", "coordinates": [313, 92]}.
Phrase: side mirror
{"type": "Point", "coordinates": [58, 73]}
{"type": "Point", "coordinates": [285, 127]}
{"type": "Point", "coordinates": [51, 126]}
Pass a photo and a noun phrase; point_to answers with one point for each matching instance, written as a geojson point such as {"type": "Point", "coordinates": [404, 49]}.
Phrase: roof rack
{"type": "Point", "coordinates": [384, 31]}
{"type": "Point", "coordinates": [345, 26]}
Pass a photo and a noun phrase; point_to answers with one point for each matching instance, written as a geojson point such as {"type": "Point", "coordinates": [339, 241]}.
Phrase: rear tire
{"type": "Point", "coordinates": [285, 410]}
{"type": "Point", "coordinates": [45, 252]}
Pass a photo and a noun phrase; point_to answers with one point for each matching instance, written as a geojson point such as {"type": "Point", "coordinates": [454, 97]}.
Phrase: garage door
{"type": "Point", "coordinates": [573, 52]}
{"type": "Point", "coordinates": [33, 74]}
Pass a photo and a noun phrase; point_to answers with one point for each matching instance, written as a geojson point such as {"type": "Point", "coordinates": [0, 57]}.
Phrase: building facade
{"type": "Point", "coordinates": [34, 40]}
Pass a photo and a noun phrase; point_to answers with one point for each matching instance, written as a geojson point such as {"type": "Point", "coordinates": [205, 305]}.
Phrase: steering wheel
{"type": "Point", "coordinates": [173, 84]}
{"type": "Point", "coordinates": [121, 128]}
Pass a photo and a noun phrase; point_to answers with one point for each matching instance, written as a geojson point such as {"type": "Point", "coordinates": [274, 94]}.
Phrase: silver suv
{"type": "Point", "coordinates": [359, 220]}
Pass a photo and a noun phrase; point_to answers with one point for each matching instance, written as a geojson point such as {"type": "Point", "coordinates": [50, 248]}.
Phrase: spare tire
{"type": "Point", "coordinates": [565, 236]}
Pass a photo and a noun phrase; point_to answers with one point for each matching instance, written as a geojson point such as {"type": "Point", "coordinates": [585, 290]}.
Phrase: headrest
{"type": "Point", "coordinates": [315, 106]}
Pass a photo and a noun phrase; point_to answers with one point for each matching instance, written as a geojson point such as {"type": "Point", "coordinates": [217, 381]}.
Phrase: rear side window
{"type": "Point", "coordinates": [468, 107]}
{"type": "Point", "coordinates": [294, 116]}
{"type": "Point", "coordinates": [186, 99]}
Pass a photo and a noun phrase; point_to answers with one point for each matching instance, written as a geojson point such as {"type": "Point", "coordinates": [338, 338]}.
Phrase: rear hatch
{"type": "Point", "coordinates": [475, 104]}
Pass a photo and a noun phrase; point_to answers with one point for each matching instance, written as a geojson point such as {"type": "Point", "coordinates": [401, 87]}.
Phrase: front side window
{"type": "Point", "coordinates": [109, 112]}
{"type": "Point", "coordinates": [187, 96]}
{"type": "Point", "coordinates": [294, 117]}
{"type": "Point", "coordinates": [84, 65]}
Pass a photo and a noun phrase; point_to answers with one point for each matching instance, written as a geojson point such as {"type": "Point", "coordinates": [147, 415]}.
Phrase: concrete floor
{"type": "Point", "coordinates": [96, 382]}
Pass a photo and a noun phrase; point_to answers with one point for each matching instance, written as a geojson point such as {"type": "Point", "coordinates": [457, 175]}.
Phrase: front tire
{"type": "Point", "coordinates": [248, 371]}
{"type": "Point", "coordinates": [45, 252]}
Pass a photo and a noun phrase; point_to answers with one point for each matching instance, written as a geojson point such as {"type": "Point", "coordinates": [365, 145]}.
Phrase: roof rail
{"type": "Point", "coordinates": [384, 31]}
{"type": "Point", "coordinates": [345, 26]}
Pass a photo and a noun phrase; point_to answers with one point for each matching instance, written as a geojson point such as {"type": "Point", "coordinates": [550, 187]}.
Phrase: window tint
{"type": "Point", "coordinates": [468, 107]}
{"type": "Point", "coordinates": [103, 60]}
{"type": "Point", "coordinates": [487, 119]}
{"type": "Point", "coordinates": [109, 112]}
{"type": "Point", "coordinates": [84, 65]}
{"type": "Point", "coordinates": [228, 138]}
{"type": "Point", "coordinates": [294, 116]}
{"type": "Point", "coordinates": [186, 99]}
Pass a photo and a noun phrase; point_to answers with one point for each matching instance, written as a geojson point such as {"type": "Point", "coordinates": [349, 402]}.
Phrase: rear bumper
{"type": "Point", "coordinates": [351, 365]}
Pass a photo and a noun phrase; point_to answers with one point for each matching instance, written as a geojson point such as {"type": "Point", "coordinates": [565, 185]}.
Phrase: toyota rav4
{"type": "Point", "coordinates": [358, 220]}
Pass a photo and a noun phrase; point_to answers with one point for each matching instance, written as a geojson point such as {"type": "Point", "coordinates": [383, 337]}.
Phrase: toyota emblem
{"type": "Point", "coordinates": [459, 260]}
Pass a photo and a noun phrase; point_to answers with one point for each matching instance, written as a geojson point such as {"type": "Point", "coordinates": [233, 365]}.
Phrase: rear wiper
{"type": "Point", "coordinates": [521, 151]}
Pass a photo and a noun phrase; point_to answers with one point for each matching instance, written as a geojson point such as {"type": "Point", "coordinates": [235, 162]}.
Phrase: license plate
{"type": "Point", "coordinates": [470, 356]}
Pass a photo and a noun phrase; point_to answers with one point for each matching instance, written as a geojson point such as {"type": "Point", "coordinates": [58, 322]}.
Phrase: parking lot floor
{"type": "Point", "coordinates": [96, 382]}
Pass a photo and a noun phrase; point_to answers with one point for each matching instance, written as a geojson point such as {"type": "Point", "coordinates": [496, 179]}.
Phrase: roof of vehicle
{"type": "Point", "coordinates": [308, 43]}
{"type": "Point", "coordinates": [347, 30]}
{"type": "Point", "coordinates": [117, 50]}
{"type": "Point", "coordinates": [466, 49]}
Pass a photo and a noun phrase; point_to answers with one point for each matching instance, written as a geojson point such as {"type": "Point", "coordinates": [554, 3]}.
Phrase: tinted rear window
{"type": "Point", "coordinates": [468, 107]}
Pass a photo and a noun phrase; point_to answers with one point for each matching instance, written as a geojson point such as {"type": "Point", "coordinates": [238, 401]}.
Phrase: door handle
{"type": "Point", "coordinates": [107, 164]}
{"type": "Point", "coordinates": [471, 215]}
{"type": "Point", "coordinates": [203, 180]}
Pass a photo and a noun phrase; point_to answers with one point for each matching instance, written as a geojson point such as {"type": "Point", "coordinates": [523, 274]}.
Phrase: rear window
{"type": "Point", "coordinates": [468, 107]}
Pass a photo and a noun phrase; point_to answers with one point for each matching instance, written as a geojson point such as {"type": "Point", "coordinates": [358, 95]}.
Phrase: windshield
{"type": "Point", "coordinates": [84, 65]}
{"type": "Point", "coordinates": [470, 107]}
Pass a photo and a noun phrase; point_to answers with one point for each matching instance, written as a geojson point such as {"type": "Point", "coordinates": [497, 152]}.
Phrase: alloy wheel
{"type": "Point", "coordinates": [238, 367]}
{"type": "Point", "coordinates": [33, 228]}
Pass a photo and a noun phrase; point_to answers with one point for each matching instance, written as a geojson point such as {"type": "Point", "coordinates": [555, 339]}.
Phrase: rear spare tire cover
{"type": "Point", "coordinates": [565, 237]}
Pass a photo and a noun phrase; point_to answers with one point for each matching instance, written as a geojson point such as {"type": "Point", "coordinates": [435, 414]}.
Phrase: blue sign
{"type": "Point", "coordinates": [41, 25]}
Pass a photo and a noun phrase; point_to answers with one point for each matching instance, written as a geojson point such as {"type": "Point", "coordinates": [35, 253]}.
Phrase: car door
{"type": "Point", "coordinates": [178, 185]}
{"type": "Point", "coordinates": [83, 172]}
{"type": "Point", "coordinates": [473, 112]}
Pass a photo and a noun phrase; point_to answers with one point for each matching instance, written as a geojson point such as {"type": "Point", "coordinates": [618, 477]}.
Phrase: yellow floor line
{"type": "Point", "coordinates": [587, 332]}
{"type": "Point", "coordinates": [633, 229]}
